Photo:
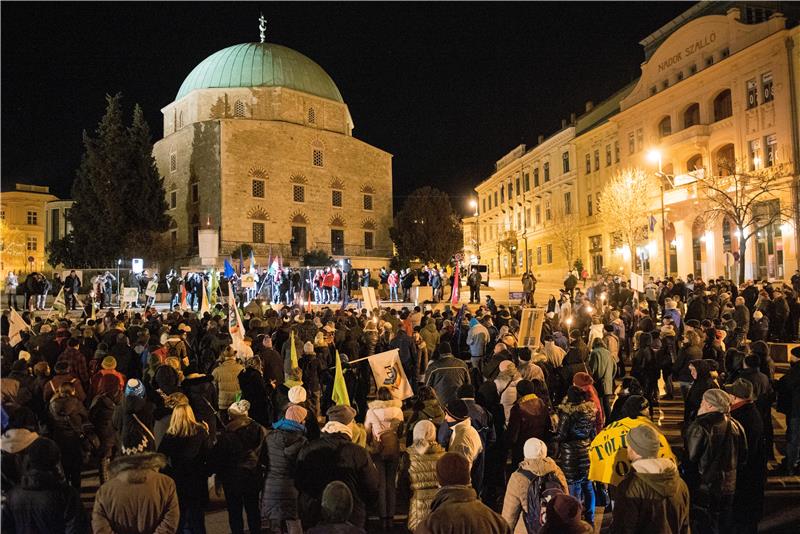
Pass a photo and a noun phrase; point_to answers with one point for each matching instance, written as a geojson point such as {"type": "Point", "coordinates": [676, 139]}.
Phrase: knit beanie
{"type": "Point", "coordinates": [535, 449]}
{"type": "Point", "coordinates": [341, 413]}
{"type": "Point", "coordinates": [43, 455]}
{"type": "Point", "coordinates": [457, 409]}
{"type": "Point", "coordinates": [444, 348]}
{"type": "Point", "coordinates": [644, 441]}
{"type": "Point", "coordinates": [296, 413]}
{"type": "Point", "coordinates": [134, 388]}
{"type": "Point", "coordinates": [576, 395]}
{"type": "Point", "coordinates": [524, 387]}
{"type": "Point", "coordinates": [718, 399]}
{"type": "Point", "coordinates": [109, 362]}
{"type": "Point", "coordinates": [297, 394]}
{"type": "Point", "coordinates": [582, 379]}
{"type": "Point", "coordinates": [563, 511]}
{"type": "Point", "coordinates": [337, 502]}
{"type": "Point", "coordinates": [452, 469]}
{"type": "Point", "coordinates": [466, 391]}
{"type": "Point", "coordinates": [634, 406]}
{"type": "Point", "coordinates": [424, 430]}
{"type": "Point", "coordinates": [239, 408]}
{"type": "Point", "coordinates": [308, 348]}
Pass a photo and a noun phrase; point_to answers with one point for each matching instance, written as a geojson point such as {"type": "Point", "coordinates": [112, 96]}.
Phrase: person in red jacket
{"type": "Point", "coordinates": [336, 285]}
{"type": "Point", "coordinates": [327, 284]}
{"type": "Point", "coordinates": [393, 281]}
{"type": "Point", "coordinates": [107, 367]}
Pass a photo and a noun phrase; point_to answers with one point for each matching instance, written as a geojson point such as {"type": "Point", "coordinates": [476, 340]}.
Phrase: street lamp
{"type": "Point", "coordinates": [654, 156]}
{"type": "Point", "coordinates": [119, 262]}
{"type": "Point", "coordinates": [473, 203]}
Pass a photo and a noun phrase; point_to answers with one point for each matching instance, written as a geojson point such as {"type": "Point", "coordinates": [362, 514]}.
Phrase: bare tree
{"type": "Point", "coordinates": [565, 229]}
{"type": "Point", "coordinates": [625, 207]}
{"type": "Point", "coordinates": [748, 199]}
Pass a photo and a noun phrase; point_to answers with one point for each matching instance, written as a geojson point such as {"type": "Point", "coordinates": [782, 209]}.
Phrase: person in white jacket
{"type": "Point", "coordinates": [385, 416]}
{"type": "Point", "coordinates": [506, 383]}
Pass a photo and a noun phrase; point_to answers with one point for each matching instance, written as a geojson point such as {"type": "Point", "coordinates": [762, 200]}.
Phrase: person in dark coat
{"type": "Point", "coordinates": [17, 438]}
{"type": "Point", "coordinates": [68, 416]}
{"type": "Point", "coordinates": [529, 418]}
{"type": "Point", "coordinates": [43, 501]}
{"type": "Point", "coordinates": [456, 508]}
{"type": "Point", "coordinates": [576, 430]}
{"type": "Point", "coordinates": [238, 459]}
{"type": "Point", "coordinates": [751, 477]}
{"type": "Point", "coordinates": [704, 378]}
{"type": "Point", "coordinates": [690, 351]}
{"type": "Point", "coordinates": [101, 415]}
{"type": "Point", "coordinates": [251, 384]}
{"type": "Point", "coordinates": [629, 387]}
{"type": "Point", "coordinates": [335, 457]}
{"type": "Point", "coordinates": [646, 369]}
{"type": "Point", "coordinates": [202, 395]}
{"type": "Point", "coordinates": [186, 446]}
{"type": "Point", "coordinates": [134, 420]}
{"type": "Point", "coordinates": [279, 495]}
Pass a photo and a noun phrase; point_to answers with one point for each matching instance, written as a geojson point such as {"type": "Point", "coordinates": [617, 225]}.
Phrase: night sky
{"type": "Point", "coordinates": [447, 88]}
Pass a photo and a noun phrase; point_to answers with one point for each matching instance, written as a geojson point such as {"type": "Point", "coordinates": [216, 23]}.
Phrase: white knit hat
{"type": "Point", "coordinates": [297, 394]}
{"type": "Point", "coordinates": [239, 408]}
{"type": "Point", "coordinates": [424, 430]}
{"type": "Point", "coordinates": [535, 449]}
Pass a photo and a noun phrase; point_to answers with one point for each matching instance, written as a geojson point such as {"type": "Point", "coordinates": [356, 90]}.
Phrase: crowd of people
{"type": "Point", "coordinates": [169, 408]}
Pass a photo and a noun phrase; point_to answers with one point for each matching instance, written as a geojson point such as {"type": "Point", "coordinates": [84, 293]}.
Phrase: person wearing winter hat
{"type": "Point", "coordinates": [42, 501]}
{"type": "Point", "coordinates": [336, 507]}
{"type": "Point", "coordinates": [563, 516]}
{"type": "Point", "coordinates": [585, 381]}
{"type": "Point", "coordinates": [420, 458]}
{"type": "Point", "coordinates": [576, 430]}
{"type": "Point", "coordinates": [715, 445]}
{"type": "Point", "coordinates": [446, 373]}
{"type": "Point", "coordinates": [226, 378]}
{"type": "Point", "coordinates": [134, 388]}
{"type": "Point", "coordinates": [652, 497]}
{"type": "Point", "coordinates": [108, 367]}
{"type": "Point", "coordinates": [635, 406]}
{"type": "Point", "coordinates": [17, 438]}
{"type": "Point", "coordinates": [279, 495]}
{"type": "Point", "coordinates": [239, 409]}
{"type": "Point", "coordinates": [506, 382]}
{"type": "Point", "coordinates": [456, 507]}
{"type": "Point", "coordinates": [536, 467]}
{"type": "Point", "coordinates": [313, 370]}
{"type": "Point", "coordinates": [335, 457]}
{"type": "Point", "coordinates": [464, 438]}
{"type": "Point", "coordinates": [529, 418]}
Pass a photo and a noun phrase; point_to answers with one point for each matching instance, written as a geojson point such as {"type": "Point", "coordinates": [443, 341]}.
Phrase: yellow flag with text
{"type": "Point", "coordinates": [340, 395]}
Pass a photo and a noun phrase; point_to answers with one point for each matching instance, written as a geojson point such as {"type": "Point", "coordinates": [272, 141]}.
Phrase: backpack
{"type": "Point", "coordinates": [388, 444]}
{"type": "Point", "coordinates": [172, 350]}
{"type": "Point", "coordinates": [541, 490]}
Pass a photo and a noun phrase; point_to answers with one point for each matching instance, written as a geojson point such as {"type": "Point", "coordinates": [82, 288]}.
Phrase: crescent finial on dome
{"type": "Point", "coordinates": [262, 27]}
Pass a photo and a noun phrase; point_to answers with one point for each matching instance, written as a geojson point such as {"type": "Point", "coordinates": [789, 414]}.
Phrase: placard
{"type": "Point", "coordinates": [370, 301]}
{"type": "Point", "coordinates": [530, 327]}
{"type": "Point", "coordinates": [152, 288]}
{"type": "Point", "coordinates": [422, 294]}
{"type": "Point", "coordinates": [248, 280]}
{"type": "Point", "coordinates": [130, 294]}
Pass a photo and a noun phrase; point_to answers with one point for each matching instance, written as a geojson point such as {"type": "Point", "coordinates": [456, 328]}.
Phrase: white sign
{"type": "Point", "coordinates": [530, 327]}
{"type": "Point", "coordinates": [152, 288]}
{"type": "Point", "coordinates": [249, 280]}
{"type": "Point", "coordinates": [370, 301]}
{"type": "Point", "coordinates": [388, 373]}
{"type": "Point", "coordinates": [130, 294]}
{"type": "Point", "coordinates": [137, 265]}
{"type": "Point", "coordinates": [422, 294]}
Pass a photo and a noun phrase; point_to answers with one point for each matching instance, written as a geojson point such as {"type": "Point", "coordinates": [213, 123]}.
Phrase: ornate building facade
{"type": "Point", "coordinates": [24, 216]}
{"type": "Point", "coordinates": [719, 83]}
{"type": "Point", "coordinates": [259, 145]}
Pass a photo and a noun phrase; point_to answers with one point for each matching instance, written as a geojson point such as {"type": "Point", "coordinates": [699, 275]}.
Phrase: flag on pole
{"type": "Point", "coordinates": [229, 272]}
{"type": "Point", "coordinates": [59, 304]}
{"type": "Point", "coordinates": [389, 373]}
{"type": "Point", "coordinates": [123, 305]}
{"type": "Point", "coordinates": [241, 261]}
{"type": "Point", "coordinates": [203, 300]}
{"type": "Point", "coordinates": [340, 395]}
{"type": "Point", "coordinates": [456, 285]}
{"type": "Point", "coordinates": [94, 307]}
{"type": "Point", "coordinates": [252, 262]}
{"type": "Point", "coordinates": [183, 297]}
{"type": "Point", "coordinates": [213, 284]}
{"type": "Point", "coordinates": [235, 327]}
{"type": "Point", "coordinates": [293, 351]}
{"type": "Point", "coordinates": [16, 325]}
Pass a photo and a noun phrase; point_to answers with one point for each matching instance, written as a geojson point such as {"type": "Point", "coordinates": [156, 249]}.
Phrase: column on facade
{"type": "Point", "coordinates": [715, 259]}
{"type": "Point", "coordinates": [683, 246]}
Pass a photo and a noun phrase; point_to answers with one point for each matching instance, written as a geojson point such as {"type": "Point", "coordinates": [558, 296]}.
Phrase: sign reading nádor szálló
{"type": "Point", "coordinates": [692, 48]}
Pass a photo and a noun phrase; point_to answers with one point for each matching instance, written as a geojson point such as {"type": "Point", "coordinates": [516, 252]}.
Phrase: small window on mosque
{"type": "Point", "coordinates": [317, 158]}
{"type": "Point", "coordinates": [238, 109]}
{"type": "Point", "coordinates": [258, 188]}
{"type": "Point", "coordinates": [336, 198]}
{"type": "Point", "coordinates": [299, 193]}
{"type": "Point", "coordinates": [312, 116]}
{"type": "Point", "coordinates": [173, 162]}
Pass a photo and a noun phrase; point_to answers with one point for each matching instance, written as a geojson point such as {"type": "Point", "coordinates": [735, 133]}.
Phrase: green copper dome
{"type": "Point", "coordinates": [260, 65]}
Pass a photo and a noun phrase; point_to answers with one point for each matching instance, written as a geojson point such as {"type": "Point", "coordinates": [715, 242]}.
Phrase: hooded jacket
{"type": "Point", "coordinates": [529, 418]}
{"type": "Point", "coordinates": [279, 496]}
{"type": "Point", "coordinates": [457, 510]}
{"type": "Point", "coordinates": [44, 502]}
{"type": "Point", "coordinates": [421, 461]}
{"type": "Point", "coordinates": [382, 416]}
{"type": "Point", "coordinates": [576, 429]}
{"type": "Point", "coordinates": [702, 383]}
{"type": "Point", "coordinates": [652, 498]}
{"type": "Point", "coordinates": [515, 503]}
{"type": "Point", "coordinates": [226, 378]}
{"type": "Point", "coordinates": [137, 499]}
{"type": "Point", "coordinates": [430, 335]}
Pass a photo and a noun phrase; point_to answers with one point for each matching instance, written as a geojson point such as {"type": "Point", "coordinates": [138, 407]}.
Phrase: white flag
{"type": "Point", "coordinates": [235, 326]}
{"type": "Point", "coordinates": [388, 372]}
{"type": "Point", "coordinates": [16, 325]}
{"type": "Point", "coordinates": [59, 304]}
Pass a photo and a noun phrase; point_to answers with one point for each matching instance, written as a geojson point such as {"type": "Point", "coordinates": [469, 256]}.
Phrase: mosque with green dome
{"type": "Point", "coordinates": [259, 146]}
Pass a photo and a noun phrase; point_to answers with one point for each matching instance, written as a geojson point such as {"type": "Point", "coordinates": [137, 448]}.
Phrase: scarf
{"type": "Point", "coordinates": [335, 427]}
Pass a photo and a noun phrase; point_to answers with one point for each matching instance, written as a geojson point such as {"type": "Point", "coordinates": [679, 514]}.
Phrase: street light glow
{"type": "Point", "coordinates": [654, 155]}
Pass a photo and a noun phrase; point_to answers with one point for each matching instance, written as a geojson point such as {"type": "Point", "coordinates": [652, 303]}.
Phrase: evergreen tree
{"type": "Point", "coordinates": [120, 205]}
{"type": "Point", "coordinates": [427, 228]}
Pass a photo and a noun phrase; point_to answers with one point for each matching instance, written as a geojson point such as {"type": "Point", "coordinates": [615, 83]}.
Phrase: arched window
{"type": "Point", "coordinates": [723, 108]}
{"type": "Point", "coordinates": [695, 163]}
{"type": "Point", "coordinates": [665, 127]}
{"type": "Point", "coordinates": [692, 115]}
{"type": "Point", "coordinates": [725, 160]}
{"type": "Point", "coordinates": [238, 109]}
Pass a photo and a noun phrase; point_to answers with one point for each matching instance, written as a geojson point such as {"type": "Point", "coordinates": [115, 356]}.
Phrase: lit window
{"type": "Point", "coordinates": [195, 192]}
{"type": "Point", "coordinates": [547, 211]}
{"type": "Point", "coordinates": [546, 171]}
{"type": "Point", "coordinates": [32, 243]}
{"type": "Point", "coordinates": [317, 158]}
{"type": "Point", "coordinates": [258, 232]}
{"type": "Point", "coordinates": [752, 152]}
{"type": "Point", "coordinates": [173, 162]}
{"type": "Point", "coordinates": [312, 116]}
{"type": "Point", "coordinates": [588, 163]}
{"type": "Point", "coordinates": [538, 255]}
{"type": "Point", "coordinates": [752, 94]}
{"type": "Point", "coordinates": [616, 151]}
{"type": "Point", "coordinates": [589, 205]}
{"type": "Point", "coordinates": [565, 161]}
{"type": "Point", "coordinates": [258, 188]}
{"type": "Point", "coordinates": [238, 109]}
{"type": "Point", "coordinates": [299, 193]}
{"type": "Point", "coordinates": [536, 177]}
{"type": "Point", "coordinates": [597, 160]}
{"type": "Point", "coordinates": [549, 253]}
{"type": "Point", "coordinates": [336, 198]}
{"type": "Point", "coordinates": [766, 87]}
{"type": "Point", "coordinates": [631, 143]}
{"type": "Point", "coordinates": [368, 202]}
{"type": "Point", "coordinates": [770, 150]}
{"type": "Point", "coordinates": [369, 240]}
{"type": "Point", "coordinates": [608, 155]}
{"type": "Point", "coordinates": [173, 200]}
{"type": "Point", "coordinates": [567, 203]}
{"type": "Point", "coordinates": [33, 218]}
